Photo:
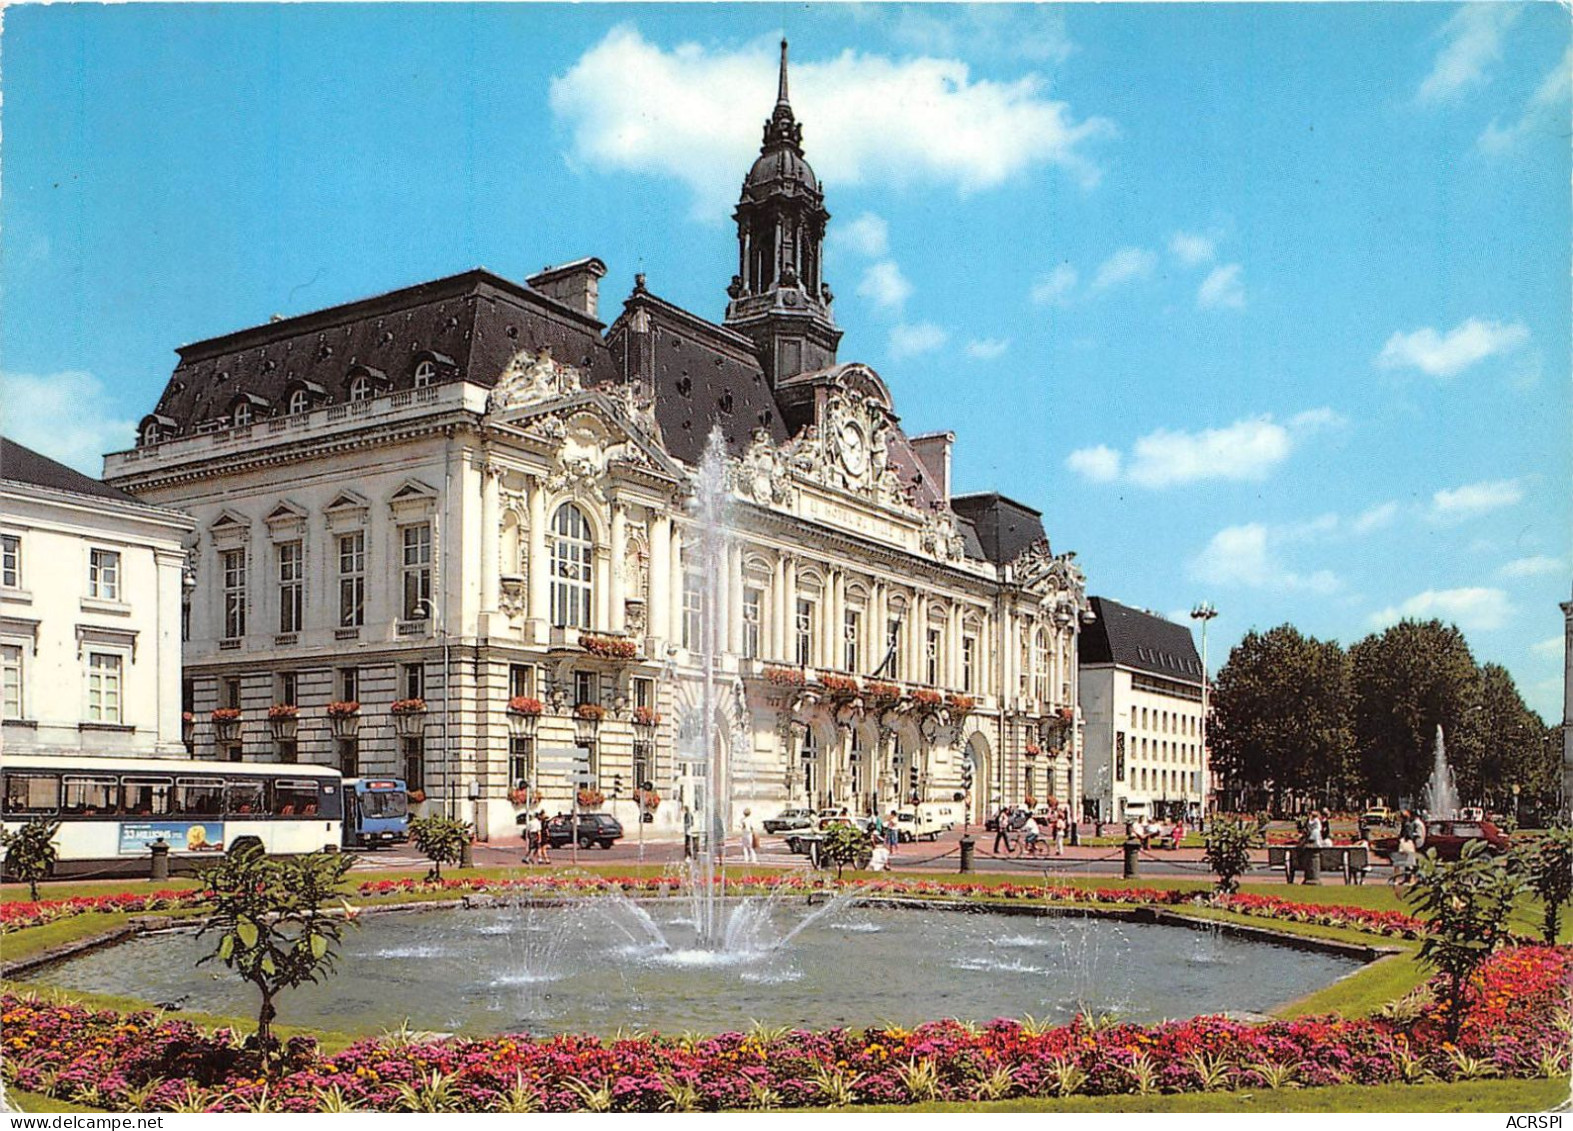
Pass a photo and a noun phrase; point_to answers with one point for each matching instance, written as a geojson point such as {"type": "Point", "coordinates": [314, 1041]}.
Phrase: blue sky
{"type": "Point", "coordinates": [1262, 305]}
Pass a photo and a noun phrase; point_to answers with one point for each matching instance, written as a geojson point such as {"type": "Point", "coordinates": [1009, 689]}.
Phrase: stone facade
{"type": "Point", "coordinates": [472, 491]}
{"type": "Point", "coordinates": [90, 607]}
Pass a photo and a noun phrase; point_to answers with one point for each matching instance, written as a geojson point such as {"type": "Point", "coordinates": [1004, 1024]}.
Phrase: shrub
{"type": "Point", "coordinates": [30, 852]}
{"type": "Point", "coordinates": [441, 840]}
{"type": "Point", "coordinates": [1228, 848]}
{"type": "Point", "coordinates": [1547, 866]}
{"type": "Point", "coordinates": [1467, 903]}
{"type": "Point", "coordinates": [843, 845]}
{"type": "Point", "coordinates": [268, 915]}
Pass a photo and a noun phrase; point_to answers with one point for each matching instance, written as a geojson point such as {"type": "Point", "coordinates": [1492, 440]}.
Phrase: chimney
{"type": "Point", "coordinates": [576, 284]}
{"type": "Point", "coordinates": [933, 452]}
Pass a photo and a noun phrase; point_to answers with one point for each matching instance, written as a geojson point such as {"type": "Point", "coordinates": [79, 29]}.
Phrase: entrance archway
{"type": "Point", "coordinates": [978, 755]}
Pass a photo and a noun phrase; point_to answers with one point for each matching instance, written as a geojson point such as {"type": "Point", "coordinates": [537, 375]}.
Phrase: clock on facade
{"type": "Point", "coordinates": [854, 449]}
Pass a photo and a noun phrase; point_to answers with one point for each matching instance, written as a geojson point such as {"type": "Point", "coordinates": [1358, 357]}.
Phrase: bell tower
{"type": "Point", "coordinates": [779, 298]}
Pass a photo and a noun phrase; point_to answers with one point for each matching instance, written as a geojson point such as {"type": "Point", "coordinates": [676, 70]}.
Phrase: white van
{"type": "Point", "coordinates": [928, 820]}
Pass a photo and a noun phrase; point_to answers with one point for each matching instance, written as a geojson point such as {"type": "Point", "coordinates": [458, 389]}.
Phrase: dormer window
{"type": "Point", "coordinates": [425, 373]}
{"type": "Point", "coordinates": [360, 389]}
{"type": "Point", "coordinates": [364, 383]}
{"type": "Point", "coordinates": [150, 434]}
{"type": "Point", "coordinates": [155, 429]}
{"type": "Point", "coordinates": [241, 417]}
{"type": "Point", "coordinates": [299, 402]}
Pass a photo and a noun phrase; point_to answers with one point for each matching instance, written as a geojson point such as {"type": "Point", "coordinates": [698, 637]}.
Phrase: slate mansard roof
{"type": "Point", "coordinates": [1002, 527]}
{"type": "Point", "coordinates": [1130, 638]}
{"type": "Point", "coordinates": [23, 465]}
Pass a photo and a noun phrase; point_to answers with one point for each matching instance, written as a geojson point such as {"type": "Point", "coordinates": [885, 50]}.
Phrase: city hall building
{"type": "Point", "coordinates": [444, 533]}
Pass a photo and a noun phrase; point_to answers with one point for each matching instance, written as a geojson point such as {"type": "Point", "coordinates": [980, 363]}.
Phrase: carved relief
{"type": "Point", "coordinates": [531, 378]}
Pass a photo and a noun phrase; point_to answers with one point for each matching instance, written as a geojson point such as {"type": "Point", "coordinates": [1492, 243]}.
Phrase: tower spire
{"type": "Point", "coordinates": [781, 90]}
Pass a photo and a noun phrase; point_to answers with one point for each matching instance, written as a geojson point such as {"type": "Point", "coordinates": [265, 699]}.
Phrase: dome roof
{"type": "Point", "coordinates": [780, 168]}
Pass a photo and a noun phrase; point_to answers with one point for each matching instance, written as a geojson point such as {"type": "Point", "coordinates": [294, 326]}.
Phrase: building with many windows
{"type": "Point", "coordinates": [90, 605]}
{"type": "Point", "coordinates": [1141, 699]}
{"type": "Point", "coordinates": [445, 532]}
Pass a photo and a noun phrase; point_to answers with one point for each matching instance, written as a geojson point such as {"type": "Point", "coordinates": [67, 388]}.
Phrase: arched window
{"type": "Point", "coordinates": [150, 433]}
{"type": "Point", "coordinates": [299, 402]}
{"type": "Point", "coordinates": [360, 389]}
{"type": "Point", "coordinates": [572, 568]}
{"type": "Point", "coordinates": [241, 417]}
{"type": "Point", "coordinates": [425, 373]}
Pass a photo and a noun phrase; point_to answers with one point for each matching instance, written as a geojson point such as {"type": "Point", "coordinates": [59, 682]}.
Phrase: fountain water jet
{"type": "Point", "coordinates": [1441, 795]}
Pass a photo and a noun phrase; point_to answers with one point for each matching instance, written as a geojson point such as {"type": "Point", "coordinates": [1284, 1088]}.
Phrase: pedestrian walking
{"type": "Point", "coordinates": [892, 832]}
{"type": "Point", "coordinates": [1002, 829]}
{"type": "Point", "coordinates": [750, 838]}
{"type": "Point", "coordinates": [543, 844]}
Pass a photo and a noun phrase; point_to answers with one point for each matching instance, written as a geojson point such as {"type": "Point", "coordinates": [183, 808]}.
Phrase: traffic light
{"type": "Point", "coordinates": [617, 784]}
{"type": "Point", "coordinates": [966, 775]}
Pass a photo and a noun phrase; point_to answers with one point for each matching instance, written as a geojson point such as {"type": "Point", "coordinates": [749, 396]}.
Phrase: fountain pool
{"type": "Point", "coordinates": [600, 965]}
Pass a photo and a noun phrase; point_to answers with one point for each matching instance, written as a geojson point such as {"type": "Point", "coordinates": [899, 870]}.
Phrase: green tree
{"type": "Point", "coordinates": [1467, 904]}
{"type": "Point", "coordinates": [441, 839]}
{"type": "Point", "coordinates": [843, 845]}
{"type": "Point", "coordinates": [30, 852]}
{"type": "Point", "coordinates": [1546, 863]}
{"type": "Point", "coordinates": [1407, 681]}
{"type": "Point", "coordinates": [1228, 842]}
{"type": "Point", "coordinates": [271, 925]}
{"type": "Point", "coordinates": [1514, 748]}
{"type": "Point", "coordinates": [1281, 717]}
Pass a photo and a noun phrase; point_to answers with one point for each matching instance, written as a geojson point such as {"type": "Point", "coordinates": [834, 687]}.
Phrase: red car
{"type": "Point", "coordinates": [1449, 838]}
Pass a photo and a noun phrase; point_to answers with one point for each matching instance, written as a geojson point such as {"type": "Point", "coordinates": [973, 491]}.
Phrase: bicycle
{"type": "Point", "coordinates": [1021, 846]}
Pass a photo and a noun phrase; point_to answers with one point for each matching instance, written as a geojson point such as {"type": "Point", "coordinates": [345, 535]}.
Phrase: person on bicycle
{"type": "Point", "coordinates": [1031, 832]}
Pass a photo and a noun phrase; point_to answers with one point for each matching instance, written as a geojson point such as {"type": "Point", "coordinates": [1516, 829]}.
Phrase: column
{"type": "Point", "coordinates": [734, 599]}
{"type": "Point", "coordinates": [917, 639]}
{"type": "Point", "coordinates": [620, 566]}
{"type": "Point", "coordinates": [775, 646]}
{"type": "Point", "coordinates": [789, 603]}
{"type": "Point", "coordinates": [674, 594]}
{"type": "Point", "coordinates": [838, 603]}
{"type": "Point", "coordinates": [660, 577]}
{"type": "Point", "coordinates": [874, 631]}
{"type": "Point", "coordinates": [491, 539]}
{"type": "Point", "coordinates": [540, 564]}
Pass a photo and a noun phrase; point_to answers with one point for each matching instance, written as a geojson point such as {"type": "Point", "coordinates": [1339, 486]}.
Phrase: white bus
{"type": "Point", "coordinates": [112, 810]}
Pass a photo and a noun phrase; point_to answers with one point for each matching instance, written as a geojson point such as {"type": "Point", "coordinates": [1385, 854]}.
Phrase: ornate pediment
{"type": "Point", "coordinates": [529, 379]}
{"type": "Point", "coordinates": [1051, 575]}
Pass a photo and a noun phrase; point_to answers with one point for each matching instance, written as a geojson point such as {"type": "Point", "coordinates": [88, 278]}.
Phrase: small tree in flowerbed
{"type": "Point", "coordinates": [843, 845]}
{"type": "Point", "coordinates": [272, 929]}
{"type": "Point", "coordinates": [30, 852]}
{"type": "Point", "coordinates": [1229, 841]}
{"type": "Point", "coordinates": [1467, 904]}
{"type": "Point", "coordinates": [1546, 863]}
{"type": "Point", "coordinates": [441, 839]}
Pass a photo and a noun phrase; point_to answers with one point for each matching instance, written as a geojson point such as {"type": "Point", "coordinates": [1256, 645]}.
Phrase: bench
{"type": "Point", "coordinates": [1353, 862]}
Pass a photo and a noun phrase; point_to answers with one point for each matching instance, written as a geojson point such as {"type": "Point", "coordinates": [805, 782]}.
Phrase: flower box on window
{"type": "Point", "coordinates": [344, 718]}
{"type": "Point", "coordinates": [524, 798]}
{"type": "Point", "coordinates": [188, 727]}
{"type": "Point", "coordinates": [524, 715]}
{"type": "Point", "coordinates": [881, 694]}
{"type": "Point", "coordinates": [593, 712]}
{"type": "Point", "coordinates": [841, 686]}
{"type": "Point", "coordinates": [1066, 714]}
{"type": "Point", "coordinates": [226, 721]}
{"type": "Point", "coordinates": [284, 718]}
{"type": "Point", "coordinates": [927, 699]}
{"type": "Point", "coordinates": [587, 721]}
{"type": "Point", "coordinates": [609, 647]}
{"type": "Point", "coordinates": [649, 800]}
{"type": "Point", "coordinates": [591, 798]}
{"type": "Point", "coordinates": [409, 717]}
{"type": "Point", "coordinates": [1032, 750]}
{"type": "Point", "coordinates": [645, 718]}
{"type": "Point", "coordinates": [786, 677]}
{"type": "Point", "coordinates": [960, 705]}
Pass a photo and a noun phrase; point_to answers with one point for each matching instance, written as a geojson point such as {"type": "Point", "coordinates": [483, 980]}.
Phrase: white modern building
{"type": "Point", "coordinates": [473, 492]}
{"type": "Point", "coordinates": [1141, 700]}
{"type": "Point", "coordinates": [90, 608]}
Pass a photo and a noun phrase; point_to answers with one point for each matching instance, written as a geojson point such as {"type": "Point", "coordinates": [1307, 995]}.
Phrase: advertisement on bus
{"type": "Point", "coordinates": [136, 837]}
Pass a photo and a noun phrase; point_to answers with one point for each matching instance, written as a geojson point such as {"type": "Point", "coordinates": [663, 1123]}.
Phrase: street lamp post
{"type": "Point", "coordinates": [428, 609]}
{"type": "Point", "coordinates": [1204, 612]}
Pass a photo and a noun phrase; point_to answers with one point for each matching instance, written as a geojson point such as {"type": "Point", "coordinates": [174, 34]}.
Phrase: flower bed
{"type": "Point", "coordinates": [1395, 924]}
{"type": "Point", "coordinates": [15, 915]}
{"type": "Point", "coordinates": [147, 1062]}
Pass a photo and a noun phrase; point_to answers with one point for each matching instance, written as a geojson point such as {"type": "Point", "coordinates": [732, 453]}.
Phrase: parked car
{"type": "Point", "coordinates": [1377, 815]}
{"type": "Point", "coordinates": [789, 819]}
{"type": "Point", "coordinates": [593, 828]}
{"type": "Point", "coordinates": [1449, 838]}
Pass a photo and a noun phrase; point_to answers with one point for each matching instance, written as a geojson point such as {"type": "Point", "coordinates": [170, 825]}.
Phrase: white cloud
{"type": "Point", "coordinates": [1535, 566]}
{"type": "Point", "coordinates": [867, 234]}
{"type": "Point", "coordinates": [1374, 518]}
{"type": "Point", "coordinates": [1100, 464]}
{"type": "Point", "coordinates": [1474, 43]}
{"type": "Point", "coordinates": [1550, 646]}
{"type": "Point", "coordinates": [1056, 286]}
{"type": "Point", "coordinates": [1244, 556]}
{"type": "Point", "coordinates": [1222, 288]}
{"type": "Point", "coordinates": [1473, 609]}
{"type": "Point", "coordinates": [65, 416]}
{"type": "Point", "coordinates": [1546, 110]}
{"type": "Point", "coordinates": [909, 340]}
{"type": "Point", "coordinates": [693, 113]}
{"type": "Point", "coordinates": [1247, 449]}
{"type": "Point", "coordinates": [1125, 265]}
{"type": "Point", "coordinates": [885, 286]}
{"type": "Point", "coordinates": [1447, 355]}
{"type": "Point", "coordinates": [1475, 498]}
{"type": "Point", "coordinates": [987, 349]}
{"type": "Point", "coordinates": [1191, 248]}
{"type": "Point", "coordinates": [1032, 32]}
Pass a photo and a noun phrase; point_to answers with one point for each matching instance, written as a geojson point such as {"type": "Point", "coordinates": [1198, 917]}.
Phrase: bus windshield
{"type": "Point", "coordinates": [388, 803]}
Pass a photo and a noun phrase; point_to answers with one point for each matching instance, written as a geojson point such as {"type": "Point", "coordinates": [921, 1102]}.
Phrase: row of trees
{"type": "Point", "coordinates": [1298, 720]}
